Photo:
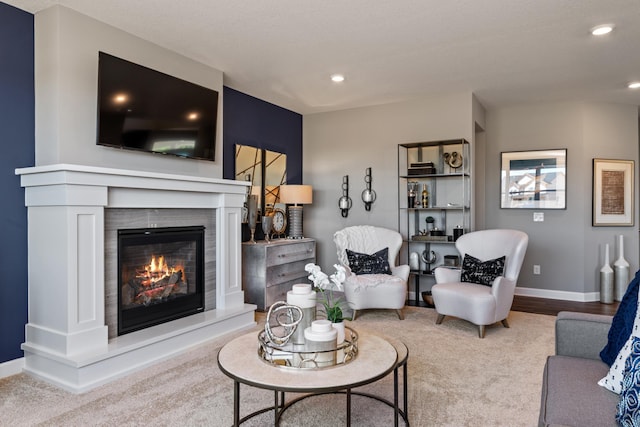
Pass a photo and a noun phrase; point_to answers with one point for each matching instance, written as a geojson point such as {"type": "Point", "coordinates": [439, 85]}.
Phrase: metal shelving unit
{"type": "Point", "coordinates": [448, 180]}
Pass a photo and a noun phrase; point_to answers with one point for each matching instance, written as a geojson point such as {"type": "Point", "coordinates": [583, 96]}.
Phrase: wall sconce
{"type": "Point", "coordinates": [368, 195]}
{"type": "Point", "coordinates": [296, 195]}
{"type": "Point", "coordinates": [345, 201]}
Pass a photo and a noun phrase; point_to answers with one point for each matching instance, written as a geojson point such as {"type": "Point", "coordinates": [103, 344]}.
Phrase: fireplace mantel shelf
{"type": "Point", "coordinates": [65, 173]}
{"type": "Point", "coordinates": [67, 340]}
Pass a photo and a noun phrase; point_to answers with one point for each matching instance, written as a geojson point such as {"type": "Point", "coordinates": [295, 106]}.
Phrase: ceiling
{"type": "Point", "coordinates": [283, 51]}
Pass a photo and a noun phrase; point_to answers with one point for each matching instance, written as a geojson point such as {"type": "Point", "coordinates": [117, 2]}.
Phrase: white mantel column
{"type": "Point", "coordinates": [66, 269]}
{"type": "Point", "coordinates": [229, 293]}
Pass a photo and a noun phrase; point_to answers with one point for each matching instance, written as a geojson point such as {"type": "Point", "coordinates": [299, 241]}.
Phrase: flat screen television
{"type": "Point", "coordinates": [146, 110]}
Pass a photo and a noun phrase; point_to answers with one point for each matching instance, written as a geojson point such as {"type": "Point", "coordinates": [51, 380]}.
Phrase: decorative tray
{"type": "Point", "coordinates": [296, 356]}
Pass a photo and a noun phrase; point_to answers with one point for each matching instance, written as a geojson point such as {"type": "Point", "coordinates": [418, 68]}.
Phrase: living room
{"type": "Point", "coordinates": [328, 145]}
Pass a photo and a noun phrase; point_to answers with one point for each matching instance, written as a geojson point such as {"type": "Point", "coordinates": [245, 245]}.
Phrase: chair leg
{"type": "Point", "coordinates": [481, 331]}
{"type": "Point", "coordinates": [355, 313]}
{"type": "Point", "coordinates": [439, 319]}
{"type": "Point", "coordinates": [400, 314]}
{"type": "Point", "coordinates": [505, 323]}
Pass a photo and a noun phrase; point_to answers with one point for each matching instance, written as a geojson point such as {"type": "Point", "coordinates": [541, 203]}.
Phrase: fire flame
{"type": "Point", "coordinates": [158, 269]}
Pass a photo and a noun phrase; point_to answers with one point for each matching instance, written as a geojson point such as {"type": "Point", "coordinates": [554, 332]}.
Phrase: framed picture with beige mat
{"type": "Point", "coordinates": [612, 193]}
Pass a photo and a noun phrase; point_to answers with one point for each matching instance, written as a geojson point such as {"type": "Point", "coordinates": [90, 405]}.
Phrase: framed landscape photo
{"type": "Point", "coordinates": [612, 192]}
{"type": "Point", "coordinates": [534, 179]}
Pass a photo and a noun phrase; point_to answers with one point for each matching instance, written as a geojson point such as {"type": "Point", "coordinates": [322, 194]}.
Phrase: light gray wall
{"type": "Point", "coordinates": [66, 73]}
{"type": "Point", "coordinates": [347, 142]}
{"type": "Point", "coordinates": [569, 250]}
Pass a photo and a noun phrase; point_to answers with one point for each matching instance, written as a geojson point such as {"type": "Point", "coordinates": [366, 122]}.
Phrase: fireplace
{"type": "Point", "coordinates": [74, 213]}
{"type": "Point", "coordinates": [160, 275]}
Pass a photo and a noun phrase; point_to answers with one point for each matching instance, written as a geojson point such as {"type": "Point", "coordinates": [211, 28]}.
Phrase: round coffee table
{"type": "Point", "coordinates": [377, 357]}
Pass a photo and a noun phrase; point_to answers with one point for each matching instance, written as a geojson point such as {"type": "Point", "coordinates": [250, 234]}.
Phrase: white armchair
{"type": "Point", "coordinates": [373, 291]}
{"type": "Point", "coordinates": [480, 304]}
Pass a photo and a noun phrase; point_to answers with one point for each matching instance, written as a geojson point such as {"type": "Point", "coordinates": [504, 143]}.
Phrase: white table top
{"type": "Point", "coordinates": [239, 360]}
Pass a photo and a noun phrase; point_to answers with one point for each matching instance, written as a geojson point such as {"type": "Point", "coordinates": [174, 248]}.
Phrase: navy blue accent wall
{"type": "Point", "coordinates": [251, 121]}
{"type": "Point", "coordinates": [17, 145]}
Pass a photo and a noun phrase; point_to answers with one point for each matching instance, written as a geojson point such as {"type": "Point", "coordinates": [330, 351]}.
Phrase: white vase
{"type": "Point", "coordinates": [339, 326]}
{"type": "Point", "coordinates": [302, 295]}
{"type": "Point", "coordinates": [414, 261]}
{"type": "Point", "coordinates": [321, 338]}
{"type": "Point", "coordinates": [606, 279]}
{"type": "Point", "coordinates": [620, 272]}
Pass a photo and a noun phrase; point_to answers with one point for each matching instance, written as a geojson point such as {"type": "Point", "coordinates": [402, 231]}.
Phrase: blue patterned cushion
{"type": "Point", "coordinates": [622, 322]}
{"type": "Point", "coordinates": [377, 263]}
{"type": "Point", "coordinates": [484, 273]}
{"type": "Point", "coordinates": [628, 409]}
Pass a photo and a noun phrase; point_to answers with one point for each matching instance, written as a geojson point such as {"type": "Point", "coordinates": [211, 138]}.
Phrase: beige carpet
{"type": "Point", "coordinates": [455, 379]}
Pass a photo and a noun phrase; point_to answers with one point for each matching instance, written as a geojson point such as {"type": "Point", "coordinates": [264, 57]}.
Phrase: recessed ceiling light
{"type": "Point", "coordinates": [601, 30]}
{"type": "Point", "coordinates": [634, 85]}
{"type": "Point", "coordinates": [337, 78]}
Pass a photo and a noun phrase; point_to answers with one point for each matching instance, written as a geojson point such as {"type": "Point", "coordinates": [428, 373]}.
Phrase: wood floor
{"type": "Point", "coordinates": [553, 306]}
{"type": "Point", "coordinates": [548, 306]}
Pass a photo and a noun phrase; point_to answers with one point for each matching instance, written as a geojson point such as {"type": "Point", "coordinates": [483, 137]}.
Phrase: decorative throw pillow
{"type": "Point", "coordinates": [613, 380]}
{"type": "Point", "coordinates": [377, 263]}
{"type": "Point", "coordinates": [476, 271]}
{"type": "Point", "coordinates": [628, 409]}
{"type": "Point", "coordinates": [622, 322]}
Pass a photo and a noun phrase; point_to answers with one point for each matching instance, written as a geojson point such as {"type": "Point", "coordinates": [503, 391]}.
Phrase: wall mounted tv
{"type": "Point", "coordinates": [146, 110]}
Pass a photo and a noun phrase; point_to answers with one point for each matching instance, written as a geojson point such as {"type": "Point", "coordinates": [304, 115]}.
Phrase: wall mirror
{"type": "Point", "coordinates": [266, 170]}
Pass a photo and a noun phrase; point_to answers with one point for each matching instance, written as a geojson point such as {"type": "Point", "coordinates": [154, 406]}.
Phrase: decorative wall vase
{"type": "Point", "coordinates": [620, 272]}
{"type": "Point", "coordinates": [606, 279]}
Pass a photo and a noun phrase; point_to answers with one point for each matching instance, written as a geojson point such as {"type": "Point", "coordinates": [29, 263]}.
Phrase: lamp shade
{"type": "Point", "coordinates": [296, 194]}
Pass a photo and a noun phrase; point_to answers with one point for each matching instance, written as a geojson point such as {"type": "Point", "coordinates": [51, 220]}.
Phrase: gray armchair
{"type": "Point", "coordinates": [369, 291]}
{"type": "Point", "coordinates": [480, 304]}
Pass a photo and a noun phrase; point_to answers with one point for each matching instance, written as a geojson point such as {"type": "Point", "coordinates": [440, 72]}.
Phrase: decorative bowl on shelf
{"type": "Point", "coordinates": [427, 297]}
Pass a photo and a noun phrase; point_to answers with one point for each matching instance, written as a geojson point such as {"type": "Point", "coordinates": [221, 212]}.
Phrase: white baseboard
{"type": "Point", "coordinates": [550, 294]}
{"type": "Point", "coordinates": [561, 295]}
{"type": "Point", "coordinates": [11, 367]}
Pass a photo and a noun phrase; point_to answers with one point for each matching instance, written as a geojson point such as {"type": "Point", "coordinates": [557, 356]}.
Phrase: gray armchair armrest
{"type": "Point", "coordinates": [581, 334]}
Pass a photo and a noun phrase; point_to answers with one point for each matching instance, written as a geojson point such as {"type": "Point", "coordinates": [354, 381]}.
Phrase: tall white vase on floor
{"type": "Point", "coordinates": [606, 279]}
{"type": "Point", "coordinates": [620, 272]}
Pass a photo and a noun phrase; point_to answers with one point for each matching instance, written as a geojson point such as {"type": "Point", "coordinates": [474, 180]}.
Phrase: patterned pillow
{"type": "Point", "coordinates": [377, 263]}
{"type": "Point", "coordinates": [613, 380]}
{"type": "Point", "coordinates": [628, 409]}
{"type": "Point", "coordinates": [622, 322]}
{"type": "Point", "coordinates": [484, 273]}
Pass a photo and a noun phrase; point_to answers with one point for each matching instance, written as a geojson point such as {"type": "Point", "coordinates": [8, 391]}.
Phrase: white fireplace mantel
{"type": "Point", "coordinates": [67, 342]}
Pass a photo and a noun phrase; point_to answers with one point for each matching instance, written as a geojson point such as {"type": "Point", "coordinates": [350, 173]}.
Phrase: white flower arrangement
{"type": "Point", "coordinates": [322, 283]}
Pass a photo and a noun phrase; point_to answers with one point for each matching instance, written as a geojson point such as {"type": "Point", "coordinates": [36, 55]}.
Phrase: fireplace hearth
{"type": "Point", "coordinates": [160, 275]}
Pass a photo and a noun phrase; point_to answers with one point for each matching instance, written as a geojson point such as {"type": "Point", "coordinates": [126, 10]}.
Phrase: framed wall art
{"type": "Point", "coordinates": [534, 179]}
{"type": "Point", "coordinates": [612, 192]}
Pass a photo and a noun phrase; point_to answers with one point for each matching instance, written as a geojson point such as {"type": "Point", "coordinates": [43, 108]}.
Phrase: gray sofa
{"type": "Point", "coordinates": [571, 395]}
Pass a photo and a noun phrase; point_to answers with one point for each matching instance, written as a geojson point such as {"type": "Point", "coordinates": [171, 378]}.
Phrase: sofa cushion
{"type": "Point", "coordinates": [628, 410]}
{"type": "Point", "coordinates": [622, 322]}
{"type": "Point", "coordinates": [613, 380]}
{"type": "Point", "coordinates": [571, 395]}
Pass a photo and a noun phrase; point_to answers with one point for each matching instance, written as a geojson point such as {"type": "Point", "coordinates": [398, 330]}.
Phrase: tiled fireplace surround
{"type": "Point", "coordinates": [72, 210]}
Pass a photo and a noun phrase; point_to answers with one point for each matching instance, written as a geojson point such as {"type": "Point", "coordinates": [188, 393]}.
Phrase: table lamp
{"type": "Point", "coordinates": [295, 195]}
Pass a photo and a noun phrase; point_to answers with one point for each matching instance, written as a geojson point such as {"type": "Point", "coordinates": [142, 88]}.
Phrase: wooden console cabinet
{"type": "Point", "coordinates": [270, 269]}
